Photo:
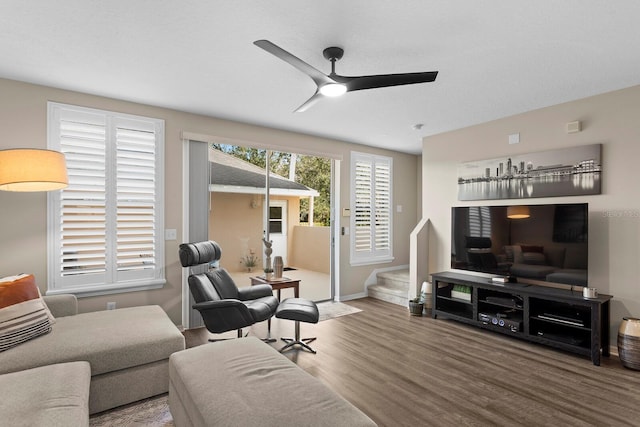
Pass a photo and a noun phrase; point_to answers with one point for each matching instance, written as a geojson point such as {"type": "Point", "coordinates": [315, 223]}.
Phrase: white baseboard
{"type": "Point", "coordinates": [350, 297]}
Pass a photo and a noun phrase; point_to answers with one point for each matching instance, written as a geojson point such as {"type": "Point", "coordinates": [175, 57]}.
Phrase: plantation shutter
{"type": "Point", "coordinates": [371, 216]}
{"type": "Point", "coordinates": [362, 210]}
{"type": "Point", "coordinates": [105, 227]}
{"type": "Point", "coordinates": [136, 200]}
{"type": "Point", "coordinates": [479, 221]}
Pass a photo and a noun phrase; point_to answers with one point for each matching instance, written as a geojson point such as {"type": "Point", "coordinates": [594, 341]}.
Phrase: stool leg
{"type": "Point", "coordinates": [291, 342]}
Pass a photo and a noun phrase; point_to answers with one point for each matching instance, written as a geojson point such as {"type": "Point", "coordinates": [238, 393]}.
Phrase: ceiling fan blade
{"type": "Point", "coordinates": [309, 102]}
{"type": "Point", "coordinates": [385, 80]}
{"type": "Point", "coordinates": [317, 76]}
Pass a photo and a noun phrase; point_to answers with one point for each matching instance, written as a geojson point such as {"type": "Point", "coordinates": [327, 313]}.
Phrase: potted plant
{"type": "Point", "coordinates": [415, 306]}
{"type": "Point", "coordinates": [249, 261]}
{"type": "Point", "coordinates": [462, 292]}
{"type": "Point", "coordinates": [268, 273]}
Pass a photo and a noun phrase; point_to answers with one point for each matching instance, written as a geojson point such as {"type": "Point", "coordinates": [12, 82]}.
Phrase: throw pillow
{"type": "Point", "coordinates": [532, 248]}
{"type": "Point", "coordinates": [23, 313]}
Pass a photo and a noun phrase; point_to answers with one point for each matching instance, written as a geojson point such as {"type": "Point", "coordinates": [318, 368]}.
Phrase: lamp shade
{"type": "Point", "coordinates": [25, 169]}
{"type": "Point", "coordinates": [518, 212]}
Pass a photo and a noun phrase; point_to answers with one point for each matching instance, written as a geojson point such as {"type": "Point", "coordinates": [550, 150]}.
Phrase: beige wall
{"type": "Point", "coordinates": [23, 123]}
{"type": "Point", "coordinates": [614, 220]}
{"type": "Point", "coordinates": [311, 248]}
{"type": "Point", "coordinates": [232, 218]}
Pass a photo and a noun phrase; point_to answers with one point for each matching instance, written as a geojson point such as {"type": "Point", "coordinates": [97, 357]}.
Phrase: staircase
{"type": "Point", "coordinates": [391, 286]}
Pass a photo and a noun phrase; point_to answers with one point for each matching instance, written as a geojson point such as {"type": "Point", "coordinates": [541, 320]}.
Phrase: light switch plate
{"type": "Point", "coordinates": [170, 234]}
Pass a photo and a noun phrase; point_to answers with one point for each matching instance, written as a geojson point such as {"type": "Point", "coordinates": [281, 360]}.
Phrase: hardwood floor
{"type": "Point", "coordinates": [411, 371]}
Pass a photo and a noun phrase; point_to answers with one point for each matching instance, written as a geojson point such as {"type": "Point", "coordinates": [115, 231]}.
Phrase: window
{"type": "Point", "coordinates": [371, 213]}
{"type": "Point", "coordinates": [479, 221]}
{"type": "Point", "coordinates": [105, 228]}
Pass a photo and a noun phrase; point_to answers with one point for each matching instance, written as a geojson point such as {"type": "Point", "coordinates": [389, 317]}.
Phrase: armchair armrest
{"type": "Point", "coordinates": [224, 315]}
{"type": "Point", "coordinates": [61, 305]}
{"type": "Point", "coordinates": [219, 304]}
{"type": "Point", "coordinates": [255, 292]}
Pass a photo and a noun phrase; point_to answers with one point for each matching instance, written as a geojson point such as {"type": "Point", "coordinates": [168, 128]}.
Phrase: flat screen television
{"type": "Point", "coordinates": [526, 243]}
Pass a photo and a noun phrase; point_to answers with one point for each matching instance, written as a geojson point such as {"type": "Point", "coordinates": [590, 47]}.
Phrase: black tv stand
{"type": "Point", "coordinates": [555, 317]}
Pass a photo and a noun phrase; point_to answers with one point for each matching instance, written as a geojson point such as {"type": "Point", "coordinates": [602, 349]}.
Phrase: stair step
{"type": "Point", "coordinates": [392, 286]}
{"type": "Point", "coordinates": [394, 278]}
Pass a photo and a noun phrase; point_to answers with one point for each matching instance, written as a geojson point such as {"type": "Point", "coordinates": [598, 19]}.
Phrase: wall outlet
{"type": "Point", "coordinates": [111, 306]}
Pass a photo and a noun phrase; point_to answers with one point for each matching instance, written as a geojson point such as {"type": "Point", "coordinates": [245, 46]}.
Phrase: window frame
{"type": "Point", "coordinates": [374, 255]}
{"type": "Point", "coordinates": [112, 280]}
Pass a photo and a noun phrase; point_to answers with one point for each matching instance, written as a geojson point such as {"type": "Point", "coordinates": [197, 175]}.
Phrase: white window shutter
{"type": "Point", "coordinates": [371, 208]}
{"type": "Point", "coordinates": [104, 228]}
{"type": "Point", "coordinates": [136, 200]}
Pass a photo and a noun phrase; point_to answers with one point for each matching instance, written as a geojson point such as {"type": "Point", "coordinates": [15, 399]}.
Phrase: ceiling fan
{"type": "Point", "coordinates": [335, 84]}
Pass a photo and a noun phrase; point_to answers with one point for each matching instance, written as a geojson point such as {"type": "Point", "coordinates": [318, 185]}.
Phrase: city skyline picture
{"type": "Point", "coordinates": [571, 171]}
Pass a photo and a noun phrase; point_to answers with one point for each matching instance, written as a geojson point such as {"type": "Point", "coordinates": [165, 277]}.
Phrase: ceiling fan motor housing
{"type": "Point", "coordinates": [333, 53]}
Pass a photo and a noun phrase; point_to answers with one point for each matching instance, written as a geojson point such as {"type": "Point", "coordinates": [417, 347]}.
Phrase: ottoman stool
{"type": "Point", "coordinates": [299, 310]}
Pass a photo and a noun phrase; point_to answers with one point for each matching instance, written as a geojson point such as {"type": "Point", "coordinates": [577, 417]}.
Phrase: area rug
{"type": "Point", "coordinates": [330, 310]}
{"type": "Point", "coordinates": [152, 412]}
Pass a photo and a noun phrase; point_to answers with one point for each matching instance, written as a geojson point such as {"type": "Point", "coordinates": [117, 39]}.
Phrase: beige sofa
{"type": "Point", "coordinates": [128, 350]}
{"type": "Point", "coordinates": [245, 382]}
{"type": "Point", "coordinates": [52, 395]}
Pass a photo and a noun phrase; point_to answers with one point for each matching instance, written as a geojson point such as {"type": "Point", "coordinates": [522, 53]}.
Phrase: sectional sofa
{"type": "Point", "coordinates": [127, 349]}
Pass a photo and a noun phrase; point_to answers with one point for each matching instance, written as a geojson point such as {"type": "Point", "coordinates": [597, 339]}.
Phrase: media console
{"type": "Point", "coordinates": [559, 318]}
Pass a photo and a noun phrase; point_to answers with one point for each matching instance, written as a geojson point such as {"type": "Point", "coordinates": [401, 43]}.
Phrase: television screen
{"type": "Point", "coordinates": [546, 243]}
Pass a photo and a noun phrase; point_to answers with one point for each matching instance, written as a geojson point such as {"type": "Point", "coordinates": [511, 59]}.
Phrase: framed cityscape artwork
{"type": "Point", "coordinates": [574, 171]}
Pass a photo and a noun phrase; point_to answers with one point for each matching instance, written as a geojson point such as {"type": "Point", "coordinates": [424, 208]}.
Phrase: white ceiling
{"type": "Point", "coordinates": [495, 58]}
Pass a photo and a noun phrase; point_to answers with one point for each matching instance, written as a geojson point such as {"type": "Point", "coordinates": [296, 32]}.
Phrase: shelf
{"type": "Point", "coordinates": [461, 301]}
{"type": "Point", "coordinates": [495, 304]}
{"type": "Point", "coordinates": [559, 322]}
{"type": "Point", "coordinates": [555, 317]}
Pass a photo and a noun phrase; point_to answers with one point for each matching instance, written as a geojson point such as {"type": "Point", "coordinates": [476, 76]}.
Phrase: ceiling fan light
{"type": "Point", "coordinates": [333, 89]}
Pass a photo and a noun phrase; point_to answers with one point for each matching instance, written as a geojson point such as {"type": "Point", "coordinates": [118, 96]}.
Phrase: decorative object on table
{"type": "Point", "coordinates": [278, 267]}
{"type": "Point", "coordinates": [571, 171]}
{"type": "Point", "coordinates": [629, 343]}
{"type": "Point", "coordinates": [415, 307]}
{"type": "Point", "coordinates": [267, 251]}
{"type": "Point", "coordinates": [268, 273]}
{"type": "Point", "coordinates": [23, 169]}
{"type": "Point", "coordinates": [461, 292]}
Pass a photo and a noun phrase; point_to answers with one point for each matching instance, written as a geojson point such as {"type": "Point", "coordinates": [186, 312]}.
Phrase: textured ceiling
{"type": "Point", "coordinates": [495, 58]}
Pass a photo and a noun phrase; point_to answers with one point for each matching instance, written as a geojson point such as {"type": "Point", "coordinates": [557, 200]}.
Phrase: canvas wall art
{"type": "Point", "coordinates": [571, 171]}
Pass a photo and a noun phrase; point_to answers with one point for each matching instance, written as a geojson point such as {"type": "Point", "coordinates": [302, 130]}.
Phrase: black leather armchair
{"type": "Point", "coordinates": [221, 304]}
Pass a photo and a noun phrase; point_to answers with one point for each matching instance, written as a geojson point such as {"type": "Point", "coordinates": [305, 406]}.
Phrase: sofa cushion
{"type": "Point", "coordinates": [53, 395]}
{"type": "Point", "coordinates": [110, 340]}
{"type": "Point", "coordinates": [555, 255]}
{"type": "Point", "coordinates": [531, 271]}
{"type": "Point", "coordinates": [535, 258]}
{"type": "Point", "coordinates": [23, 314]}
{"type": "Point", "coordinates": [247, 382]}
{"type": "Point", "coordinates": [569, 276]}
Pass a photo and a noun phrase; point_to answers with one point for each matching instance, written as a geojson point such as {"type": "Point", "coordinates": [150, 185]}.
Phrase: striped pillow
{"type": "Point", "coordinates": [23, 313]}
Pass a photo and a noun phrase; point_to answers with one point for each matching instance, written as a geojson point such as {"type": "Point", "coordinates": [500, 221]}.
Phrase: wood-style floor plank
{"type": "Point", "coordinates": [406, 371]}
